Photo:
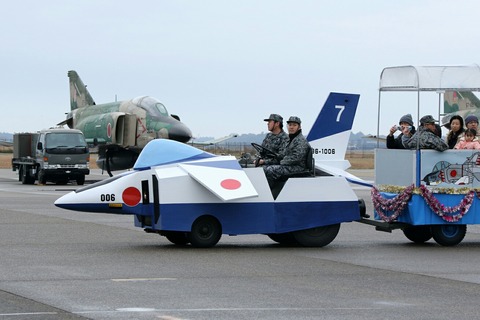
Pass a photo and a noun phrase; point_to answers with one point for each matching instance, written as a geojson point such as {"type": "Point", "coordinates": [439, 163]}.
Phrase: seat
{"type": "Point", "coordinates": [309, 167]}
{"type": "Point", "coordinates": [309, 171]}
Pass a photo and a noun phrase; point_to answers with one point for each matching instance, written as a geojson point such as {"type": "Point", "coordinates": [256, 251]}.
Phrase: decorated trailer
{"type": "Point", "coordinates": [427, 193]}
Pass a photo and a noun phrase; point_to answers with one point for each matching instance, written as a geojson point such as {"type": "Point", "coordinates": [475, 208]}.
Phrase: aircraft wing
{"type": "Point", "coordinates": [214, 141]}
{"type": "Point", "coordinates": [373, 137]}
{"type": "Point", "coordinates": [339, 172]}
{"type": "Point", "coordinates": [225, 178]}
{"type": "Point", "coordinates": [4, 143]}
{"type": "Point", "coordinates": [64, 122]}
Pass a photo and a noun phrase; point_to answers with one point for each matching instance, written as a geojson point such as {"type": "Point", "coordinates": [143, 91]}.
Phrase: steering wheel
{"type": "Point", "coordinates": [264, 152]}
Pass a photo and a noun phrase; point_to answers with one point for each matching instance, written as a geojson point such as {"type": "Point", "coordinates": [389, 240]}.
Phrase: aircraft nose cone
{"type": "Point", "coordinates": [67, 201]}
{"type": "Point", "coordinates": [180, 132]}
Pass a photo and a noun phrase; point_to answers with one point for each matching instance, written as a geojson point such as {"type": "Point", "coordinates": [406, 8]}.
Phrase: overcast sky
{"type": "Point", "coordinates": [223, 66]}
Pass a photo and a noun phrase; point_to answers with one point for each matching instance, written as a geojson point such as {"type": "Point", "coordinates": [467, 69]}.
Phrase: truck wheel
{"type": "Point", "coordinates": [42, 177]}
{"type": "Point", "coordinates": [418, 234]}
{"type": "Point", "coordinates": [25, 175]}
{"type": "Point", "coordinates": [286, 239]}
{"type": "Point", "coordinates": [177, 237]}
{"type": "Point", "coordinates": [81, 180]}
{"type": "Point", "coordinates": [206, 232]}
{"type": "Point", "coordinates": [317, 237]}
{"type": "Point", "coordinates": [449, 235]}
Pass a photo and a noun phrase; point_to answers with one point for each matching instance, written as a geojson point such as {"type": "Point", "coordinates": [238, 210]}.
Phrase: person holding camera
{"type": "Point", "coordinates": [407, 131]}
{"type": "Point", "coordinates": [426, 137]}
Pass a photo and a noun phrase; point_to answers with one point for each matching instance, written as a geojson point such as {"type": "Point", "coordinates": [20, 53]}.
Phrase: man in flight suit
{"type": "Point", "coordinates": [294, 155]}
{"type": "Point", "coordinates": [276, 140]}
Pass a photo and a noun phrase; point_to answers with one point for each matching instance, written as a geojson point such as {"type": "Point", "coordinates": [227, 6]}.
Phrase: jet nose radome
{"type": "Point", "coordinates": [84, 201]}
{"type": "Point", "coordinates": [67, 201]}
{"type": "Point", "coordinates": [180, 132]}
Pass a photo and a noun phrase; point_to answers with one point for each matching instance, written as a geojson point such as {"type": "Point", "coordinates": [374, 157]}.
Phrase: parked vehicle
{"type": "Point", "coordinates": [57, 155]}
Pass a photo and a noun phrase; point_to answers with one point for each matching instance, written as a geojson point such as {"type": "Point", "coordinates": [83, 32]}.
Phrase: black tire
{"type": "Point", "coordinates": [25, 176]}
{"type": "Point", "coordinates": [285, 239]}
{"type": "Point", "coordinates": [317, 237]}
{"type": "Point", "coordinates": [177, 237]}
{"type": "Point", "coordinates": [42, 177]}
{"type": "Point", "coordinates": [80, 180]}
{"type": "Point", "coordinates": [418, 234]}
{"type": "Point", "coordinates": [206, 232]}
{"type": "Point", "coordinates": [449, 234]}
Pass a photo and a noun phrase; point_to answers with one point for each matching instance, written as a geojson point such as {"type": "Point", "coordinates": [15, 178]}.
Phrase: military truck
{"type": "Point", "coordinates": [57, 155]}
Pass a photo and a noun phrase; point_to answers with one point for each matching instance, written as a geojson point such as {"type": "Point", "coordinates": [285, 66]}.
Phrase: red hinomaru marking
{"type": "Point", "coordinates": [109, 130]}
{"type": "Point", "coordinates": [230, 184]}
{"type": "Point", "coordinates": [131, 196]}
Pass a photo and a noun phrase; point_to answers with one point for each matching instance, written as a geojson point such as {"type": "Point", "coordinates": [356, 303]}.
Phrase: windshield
{"type": "Point", "coordinates": [152, 106]}
{"type": "Point", "coordinates": [163, 151]}
{"type": "Point", "coordinates": [53, 140]}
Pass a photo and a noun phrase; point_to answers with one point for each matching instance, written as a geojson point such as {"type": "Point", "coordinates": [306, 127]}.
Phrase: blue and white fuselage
{"type": "Point", "coordinates": [172, 184]}
{"type": "Point", "coordinates": [193, 196]}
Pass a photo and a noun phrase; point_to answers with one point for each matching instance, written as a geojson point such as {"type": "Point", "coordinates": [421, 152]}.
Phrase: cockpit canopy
{"type": "Point", "coordinates": [163, 151]}
{"type": "Point", "coordinates": [151, 105]}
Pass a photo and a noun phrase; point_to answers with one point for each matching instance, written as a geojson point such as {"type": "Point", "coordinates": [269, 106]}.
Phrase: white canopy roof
{"type": "Point", "coordinates": [437, 78]}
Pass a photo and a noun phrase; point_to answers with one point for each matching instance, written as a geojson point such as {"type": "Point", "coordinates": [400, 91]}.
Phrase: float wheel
{"type": "Point", "coordinates": [418, 234]}
{"type": "Point", "coordinates": [206, 232]}
{"type": "Point", "coordinates": [317, 237]}
{"type": "Point", "coordinates": [449, 235]}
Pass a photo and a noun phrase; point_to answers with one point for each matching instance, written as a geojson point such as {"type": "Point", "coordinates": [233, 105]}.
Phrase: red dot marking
{"type": "Point", "coordinates": [131, 196]}
{"type": "Point", "coordinates": [109, 130]}
{"type": "Point", "coordinates": [230, 184]}
{"type": "Point", "coordinates": [453, 173]}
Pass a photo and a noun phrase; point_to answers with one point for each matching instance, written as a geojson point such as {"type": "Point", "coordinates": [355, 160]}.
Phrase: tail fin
{"type": "Point", "coordinates": [79, 95]}
{"type": "Point", "coordinates": [330, 133]}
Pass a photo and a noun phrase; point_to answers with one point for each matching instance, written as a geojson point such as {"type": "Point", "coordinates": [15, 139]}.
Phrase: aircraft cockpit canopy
{"type": "Point", "coordinates": [163, 151]}
{"type": "Point", "coordinates": [152, 106]}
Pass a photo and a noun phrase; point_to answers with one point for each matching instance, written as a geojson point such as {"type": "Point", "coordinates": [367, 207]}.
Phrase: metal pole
{"type": "Point", "coordinates": [378, 117]}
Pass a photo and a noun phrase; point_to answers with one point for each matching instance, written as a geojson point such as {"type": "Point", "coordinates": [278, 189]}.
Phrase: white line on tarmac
{"type": "Point", "coordinates": [26, 314]}
{"type": "Point", "coordinates": [143, 279]}
{"type": "Point", "coordinates": [134, 309]}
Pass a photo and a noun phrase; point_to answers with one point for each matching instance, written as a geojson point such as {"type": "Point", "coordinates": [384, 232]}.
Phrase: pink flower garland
{"type": "Point", "coordinates": [446, 212]}
{"type": "Point", "coordinates": [396, 204]}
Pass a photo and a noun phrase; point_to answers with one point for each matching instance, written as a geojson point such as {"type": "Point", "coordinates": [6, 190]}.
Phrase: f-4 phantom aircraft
{"type": "Point", "coordinates": [463, 103]}
{"type": "Point", "coordinates": [120, 129]}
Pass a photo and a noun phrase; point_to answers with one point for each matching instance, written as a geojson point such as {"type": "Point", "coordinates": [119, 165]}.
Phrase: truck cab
{"type": "Point", "coordinates": [62, 155]}
{"type": "Point", "coordinates": [57, 155]}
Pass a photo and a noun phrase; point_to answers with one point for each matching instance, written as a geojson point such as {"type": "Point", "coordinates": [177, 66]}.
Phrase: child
{"type": "Point", "coordinates": [469, 141]}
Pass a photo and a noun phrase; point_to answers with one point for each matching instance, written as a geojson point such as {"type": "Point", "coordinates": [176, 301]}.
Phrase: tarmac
{"type": "Point", "coordinates": [59, 264]}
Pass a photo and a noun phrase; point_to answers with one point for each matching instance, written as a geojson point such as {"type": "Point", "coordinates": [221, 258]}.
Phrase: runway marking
{"type": "Point", "coordinates": [26, 314]}
{"type": "Point", "coordinates": [169, 318]}
{"type": "Point", "coordinates": [143, 279]}
{"type": "Point", "coordinates": [394, 303]}
{"type": "Point", "coordinates": [136, 309]}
